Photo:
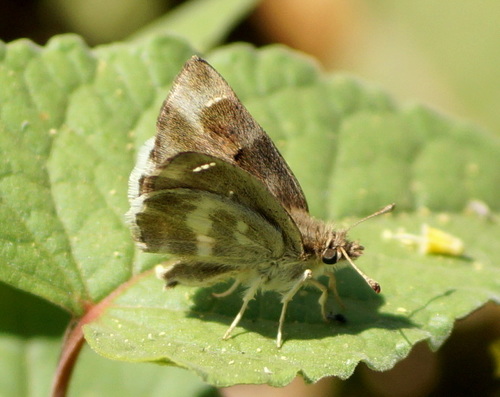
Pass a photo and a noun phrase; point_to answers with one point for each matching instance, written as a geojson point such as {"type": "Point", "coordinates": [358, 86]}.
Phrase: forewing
{"type": "Point", "coordinates": [207, 177]}
{"type": "Point", "coordinates": [203, 114]}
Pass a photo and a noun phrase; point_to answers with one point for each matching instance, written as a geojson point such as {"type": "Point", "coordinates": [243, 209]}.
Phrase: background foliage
{"type": "Point", "coordinates": [72, 119]}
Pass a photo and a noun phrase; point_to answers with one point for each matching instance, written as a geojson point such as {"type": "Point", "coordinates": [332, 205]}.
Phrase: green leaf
{"type": "Point", "coordinates": [27, 339]}
{"type": "Point", "coordinates": [22, 375]}
{"type": "Point", "coordinates": [421, 298]}
{"type": "Point", "coordinates": [25, 315]}
{"type": "Point", "coordinates": [65, 165]}
{"type": "Point", "coordinates": [203, 22]}
{"type": "Point", "coordinates": [72, 120]}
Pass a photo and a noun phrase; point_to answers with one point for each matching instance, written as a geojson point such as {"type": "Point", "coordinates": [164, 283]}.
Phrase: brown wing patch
{"type": "Point", "coordinates": [203, 114]}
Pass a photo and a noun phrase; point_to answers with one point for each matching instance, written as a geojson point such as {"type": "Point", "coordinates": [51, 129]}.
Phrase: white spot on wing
{"type": "Point", "coordinates": [242, 230]}
{"type": "Point", "coordinates": [198, 220]}
{"type": "Point", "coordinates": [204, 167]}
{"type": "Point", "coordinates": [213, 101]}
{"type": "Point", "coordinates": [242, 227]}
{"type": "Point", "coordinates": [204, 245]}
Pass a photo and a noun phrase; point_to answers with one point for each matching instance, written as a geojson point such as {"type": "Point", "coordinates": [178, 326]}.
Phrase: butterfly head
{"type": "Point", "coordinates": [339, 248]}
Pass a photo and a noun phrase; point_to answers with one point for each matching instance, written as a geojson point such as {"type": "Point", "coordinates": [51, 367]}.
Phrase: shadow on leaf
{"type": "Point", "coordinates": [303, 317]}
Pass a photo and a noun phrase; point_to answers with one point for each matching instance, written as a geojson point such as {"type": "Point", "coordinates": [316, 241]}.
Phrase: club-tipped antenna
{"type": "Point", "coordinates": [385, 210]}
{"type": "Point", "coordinates": [371, 282]}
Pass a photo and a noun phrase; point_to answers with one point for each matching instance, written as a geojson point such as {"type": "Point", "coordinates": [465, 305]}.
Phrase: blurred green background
{"type": "Point", "coordinates": [441, 53]}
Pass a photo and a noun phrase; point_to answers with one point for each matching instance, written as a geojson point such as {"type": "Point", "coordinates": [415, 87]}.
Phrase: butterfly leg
{"type": "Point", "coordinates": [229, 291]}
{"type": "Point", "coordinates": [287, 298]}
{"type": "Point", "coordinates": [332, 286]}
{"type": "Point", "coordinates": [247, 298]}
{"type": "Point", "coordinates": [323, 298]}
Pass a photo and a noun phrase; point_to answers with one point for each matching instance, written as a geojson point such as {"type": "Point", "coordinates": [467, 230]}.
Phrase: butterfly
{"type": "Point", "coordinates": [212, 190]}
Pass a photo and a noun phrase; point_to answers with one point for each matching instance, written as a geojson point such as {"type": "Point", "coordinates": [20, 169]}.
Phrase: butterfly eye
{"type": "Point", "coordinates": [329, 256]}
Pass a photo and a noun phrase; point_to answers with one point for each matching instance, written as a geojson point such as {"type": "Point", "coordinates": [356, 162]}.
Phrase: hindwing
{"type": "Point", "coordinates": [195, 198]}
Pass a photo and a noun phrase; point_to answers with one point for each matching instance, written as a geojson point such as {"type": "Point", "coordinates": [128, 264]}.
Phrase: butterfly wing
{"type": "Point", "coordinates": [203, 114]}
{"type": "Point", "coordinates": [197, 205]}
{"type": "Point", "coordinates": [206, 226]}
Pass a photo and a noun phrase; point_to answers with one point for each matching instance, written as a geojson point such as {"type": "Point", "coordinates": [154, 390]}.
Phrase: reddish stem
{"type": "Point", "coordinates": [73, 340]}
{"type": "Point", "coordinates": [73, 343]}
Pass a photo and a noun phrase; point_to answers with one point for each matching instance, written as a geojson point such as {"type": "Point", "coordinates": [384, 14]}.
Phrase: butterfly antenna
{"type": "Point", "coordinates": [371, 282]}
{"type": "Point", "coordinates": [385, 210]}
